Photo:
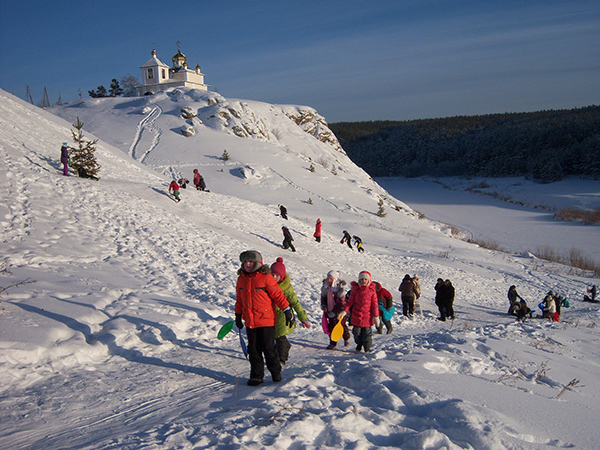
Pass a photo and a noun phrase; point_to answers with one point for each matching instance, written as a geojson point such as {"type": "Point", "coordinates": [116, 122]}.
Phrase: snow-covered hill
{"type": "Point", "coordinates": [114, 344]}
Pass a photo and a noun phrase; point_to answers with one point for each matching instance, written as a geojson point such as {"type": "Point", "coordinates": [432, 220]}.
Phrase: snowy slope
{"type": "Point", "coordinates": [114, 344]}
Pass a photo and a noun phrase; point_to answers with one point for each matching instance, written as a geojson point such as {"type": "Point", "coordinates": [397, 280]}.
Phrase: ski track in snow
{"type": "Point", "coordinates": [140, 377]}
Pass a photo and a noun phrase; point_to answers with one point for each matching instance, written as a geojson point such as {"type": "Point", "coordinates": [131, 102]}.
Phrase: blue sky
{"type": "Point", "coordinates": [351, 60]}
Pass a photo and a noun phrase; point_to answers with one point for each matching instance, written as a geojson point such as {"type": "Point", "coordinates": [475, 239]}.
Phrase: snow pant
{"type": "Point", "coordinates": [408, 305]}
{"type": "Point", "coordinates": [331, 323]}
{"type": "Point", "coordinates": [318, 238]}
{"type": "Point", "coordinates": [363, 336]}
{"type": "Point", "coordinates": [349, 244]}
{"type": "Point", "coordinates": [176, 195]}
{"type": "Point", "coordinates": [387, 323]}
{"type": "Point", "coordinates": [287, 243]}
{"type": "Point", "coordinates": [261, 341]}
{"type": "Point", "coordinates": [65, 168]}
{"type": "Point", "coordinates": [283, 348]}
{"type": "Point", "coordinates": [446, 309]}
{"type": "Point", "coordinates": [359, 248]}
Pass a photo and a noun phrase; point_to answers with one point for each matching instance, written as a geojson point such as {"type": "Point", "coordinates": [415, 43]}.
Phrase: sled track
{"type": "Point", "coordinates": [146, 124]}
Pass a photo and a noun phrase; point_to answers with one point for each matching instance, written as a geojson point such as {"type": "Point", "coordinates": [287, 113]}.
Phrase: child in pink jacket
{"type": "Point", "coordinates": [365, 311]}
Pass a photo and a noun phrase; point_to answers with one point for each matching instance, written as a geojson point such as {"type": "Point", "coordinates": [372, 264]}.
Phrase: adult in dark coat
{"type": "Point", "coordinates": [283, 211]}
{"type": "Point", "coordinates": [444, 299]}
{"type": "Point", "coordinates": [347, 239]}
{"type": "Point", "coordinates": [409, 292]}
{"type": "Point", "coordinates": [287, 239]}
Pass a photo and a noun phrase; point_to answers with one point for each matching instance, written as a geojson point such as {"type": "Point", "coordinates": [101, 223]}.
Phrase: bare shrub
{"type": "Point", "coordinates": [573, 214]}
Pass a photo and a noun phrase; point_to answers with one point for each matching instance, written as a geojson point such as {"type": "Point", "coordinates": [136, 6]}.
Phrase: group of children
{"type": "Point", "coordinates": [551, 306]}
{"type": "Point", "coordinates": [198, 181]}
{"type": "Point", "coordinates": [266, 303]}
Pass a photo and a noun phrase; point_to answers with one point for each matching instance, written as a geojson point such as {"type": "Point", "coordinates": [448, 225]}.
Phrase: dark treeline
{"type": "Point", "coordinates": [545, 145]}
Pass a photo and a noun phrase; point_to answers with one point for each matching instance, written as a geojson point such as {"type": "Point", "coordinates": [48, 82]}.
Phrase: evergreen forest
{"type": "Point", "coordinates": [545, 145]}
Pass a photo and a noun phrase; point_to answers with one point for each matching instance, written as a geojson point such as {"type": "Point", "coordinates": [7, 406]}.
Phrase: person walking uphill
{"type": "Point", "coordinates": [287, 239]}
{"type": "Point", "coordinates": [175, 187]}
{"type": "Point", "coordinates": [257, 295]}
{"type": "Point", "coordinates": [317, 234]}
{"type": "Point", "coordinates": [347, 239]}
{"type": "Point", "coordinates": [365, 311]}
{"type": "Point", "coordinates": [409, 293]}
{"type": "Point", "coordinates": [64, 158]}
{"type": "Point", "coordinates": [281, 328]}
{"type": "Point", "coordinates": [283, 211]}
{"type": "Point", "coordinates": [333, 299]}
{"type": "Point", "coordinates": [199, 181]}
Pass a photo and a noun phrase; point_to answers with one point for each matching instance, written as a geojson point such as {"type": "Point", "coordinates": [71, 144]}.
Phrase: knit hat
{"type": "Point", "coordinates": [364, 275]}
{"type": "Point", "coordinates": [251, 255]}
{"type": "Point", "coordinates": [335, 274]}
{"type": "Point", "coordinates": [278, 268]}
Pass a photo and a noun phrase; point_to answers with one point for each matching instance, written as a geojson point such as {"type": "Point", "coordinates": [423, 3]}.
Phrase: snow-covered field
{"type": "Point", "coordinates": [113, 344]}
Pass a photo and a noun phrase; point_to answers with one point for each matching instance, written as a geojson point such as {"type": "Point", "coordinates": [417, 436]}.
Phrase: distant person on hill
{"type": "Point", "coordinates": [549, 307]}
{"type": "Point", "coordinates": [175, 188]}
{"type": "Point", "coordinates": [417, 284]}
{"type": "Point", "coordinates": [283, 211]}
{"type": "Point", "coordinates": [347, 239]}
{"type": "Point", "coordinates": [281, 327]}
{"type": "Point", "coordinates": [444, 299]}
{"type": "Point", "coordinates": [365, 311]}
{"type": "Point", "coordinates": [257, 296]}
{"type": "Point", "coordinates": [513, 295]}
{"type": "Point", "coordinates": [317, 234]}
{"type": "Point", "coordinates": [409, 293]}
{"type": "Point", "coordinates": [593, 291]}
{"type": "Point", "coordinates": [82, 172]}
{"type": "Point", "coordinates": [64, 158]}
{"type": "Point", "coordinates": [287, 239]}
{"type": "Point", "coordinates": [199, 181]}
{"type": "Point", "coordinates": [333, 299]}
{"type": "Point", "coordinates": [358, 243]}
{"type": "Point", "coordinates": [183, 182]}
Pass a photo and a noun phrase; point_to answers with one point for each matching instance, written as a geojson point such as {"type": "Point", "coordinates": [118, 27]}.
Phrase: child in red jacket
{"type": "Point", "coordinates": [257, 293]}
{"type": "Point", "coordinates": [175, 187]}
{"type": "Point", "coordinates": [365, 311]}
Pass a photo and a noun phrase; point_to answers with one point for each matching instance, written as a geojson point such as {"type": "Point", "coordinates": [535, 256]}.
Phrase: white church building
{"type": "Point", "coordinates": [157, 76]}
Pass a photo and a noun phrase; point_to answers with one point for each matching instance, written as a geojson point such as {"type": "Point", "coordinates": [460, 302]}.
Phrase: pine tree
{"type": "Point", "coordinates": [83, 155]}
{"type": "Point", "coordinates": [100, 91]}
{"type": "Point", "coordinates": [225, 156]}
{"type": "Point", "coordinates": [114, 90]}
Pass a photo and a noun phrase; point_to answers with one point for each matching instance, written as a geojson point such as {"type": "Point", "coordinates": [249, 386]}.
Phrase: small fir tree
{"type": "Point", "coordinates": [381, 212]}
{"type": "Point", "coordinates": [225, 156]}
{"type": "Point", "coordinates": [312, 167]}
{"type": "Point", "coordinates": [83, 154]}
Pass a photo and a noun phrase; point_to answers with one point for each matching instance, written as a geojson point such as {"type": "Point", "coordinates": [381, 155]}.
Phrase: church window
{"type": "Point", "coordinates": [150, 74]}
{"type": "Point", "coordinates": [163, 74]}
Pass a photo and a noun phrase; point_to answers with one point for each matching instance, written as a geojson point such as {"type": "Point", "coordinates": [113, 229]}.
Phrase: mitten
{"type": "Point", "coordinates": [238, 321]}
{"type": "Point", "coordinates": [289, 317]}
{"type": "Point", "coordinates": [377, 322]}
